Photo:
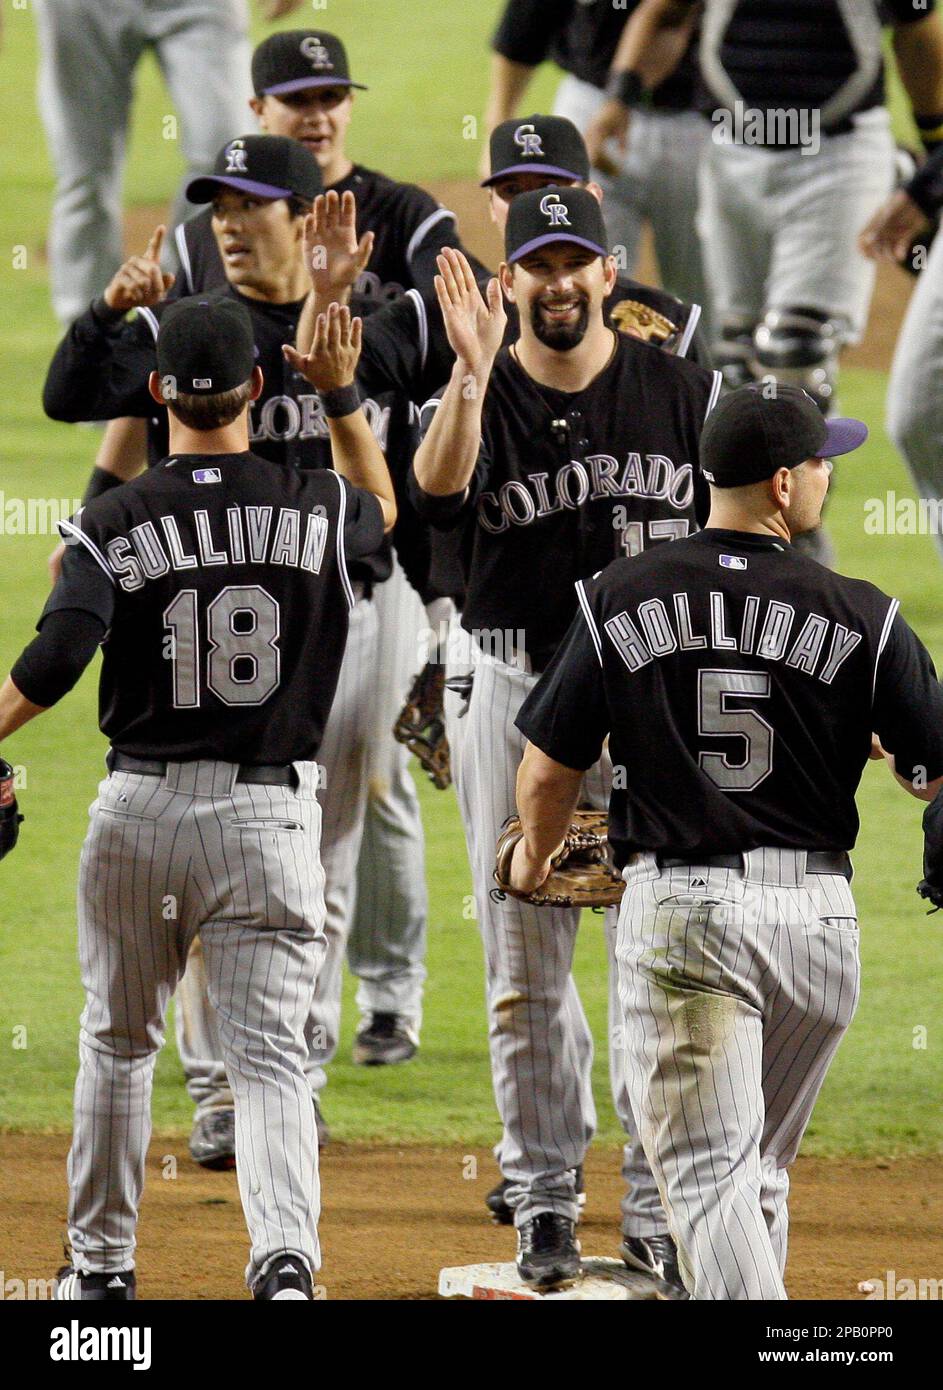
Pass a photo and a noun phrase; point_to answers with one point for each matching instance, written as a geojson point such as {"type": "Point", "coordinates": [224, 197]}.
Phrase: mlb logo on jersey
{"type": "Point", "coordinates": [733, 562]}
{"type": "Point", "coordinates": [529, 142]}
{"type": "Point", "coordinates": [206, 475]}
{"type": "Point", "coordinates": [236, 157]}
{"type": "Point", "coordinates": [314, 50]}
{"type": "Point", "coordinates": [551, 207]}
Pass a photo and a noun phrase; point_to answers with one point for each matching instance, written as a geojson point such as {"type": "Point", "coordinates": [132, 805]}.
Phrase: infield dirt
{"type": "Point", "coordinates": [393, 1217]}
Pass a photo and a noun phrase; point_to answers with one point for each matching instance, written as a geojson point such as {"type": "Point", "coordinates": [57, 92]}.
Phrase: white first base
{"type": "Point", "coordinates": [602, 1278]}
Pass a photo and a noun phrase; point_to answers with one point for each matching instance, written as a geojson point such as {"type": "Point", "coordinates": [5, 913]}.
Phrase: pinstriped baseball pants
{"type": "Point", "coordinates": [165, 858]}
{"type": "Point", "coordinates": [736, 991]}
{"type": "Point", "coordinates": [540, 1040]}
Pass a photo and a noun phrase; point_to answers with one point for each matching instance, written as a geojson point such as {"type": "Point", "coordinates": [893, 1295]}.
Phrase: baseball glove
{"type": "Point", "coordinates": [581, 873]}
{"type": "Point", "coordinates": [420, 724]}
{"type": "Point", "coordinates": [9, 811]}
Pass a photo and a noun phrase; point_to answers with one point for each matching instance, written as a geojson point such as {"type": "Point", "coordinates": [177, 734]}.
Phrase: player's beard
{"type": "Point", "coordinates": [563, 337]}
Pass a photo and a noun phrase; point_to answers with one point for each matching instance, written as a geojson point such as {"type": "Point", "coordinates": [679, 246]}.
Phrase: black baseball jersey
{"type": "Point", "coordinates": [100, 372]}
{"type": "Point", "coordinates": [409, 226]}
{"type": "Point", "coordinates": [565, 481]}
{"type": "Point", "coordinates": [222, 581]}
{"type": "Point", "coordinates": [821, 58]}
{"type": "Point", "coordinates": [581, 37]}
{"type": "Point", "coordinates": [739, 683]}
{"type": "Point", "coordinates": [406, 348]}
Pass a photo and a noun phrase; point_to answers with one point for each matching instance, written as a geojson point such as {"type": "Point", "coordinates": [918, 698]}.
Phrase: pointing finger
{"type": "Point", "coordinates": [156, 242]}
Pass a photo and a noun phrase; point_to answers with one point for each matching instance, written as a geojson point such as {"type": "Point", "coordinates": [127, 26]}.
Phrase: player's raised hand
{"type": "Point", "coordinates": [334, 256]}
{"type": "Point", "coordinates": [140, 283]}
{"type": "Point", "coordinates": [475, 326]}
{"type": "Point", "coordinates": [893, 228]}
{"type": "Point", "coordinates": [611, 122]}
{"type": "Point", "coordinates": [331, 361]}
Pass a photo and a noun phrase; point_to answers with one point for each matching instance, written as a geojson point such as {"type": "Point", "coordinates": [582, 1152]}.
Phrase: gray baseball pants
{"type": "Point", "coordinates": [540, 1040]}
{"type": "Point", "coordinates": [89, 50]}
{"type": "Point", "coordinates": [736, 989]}
{"type": "Point", "coordinates": [914, 399]}
{"type": "Point", "coordinates": [165, 858]}
{"type": "Point", "coordinates": [372, 850]}
{"type": "Point", "coordinates": [778, 228]}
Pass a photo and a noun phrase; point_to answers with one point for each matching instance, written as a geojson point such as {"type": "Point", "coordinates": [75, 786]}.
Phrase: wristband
{"type": "Point", "coordinates": [100, 482]}
{"type": "Point", "coordinates": [931, 130]}
{"type": "Point", "coordinates": [626, 87]}
{"type": "Point", "coordinates": [343, 401]}
{"type": "Point", "coordinates": [104, 315]}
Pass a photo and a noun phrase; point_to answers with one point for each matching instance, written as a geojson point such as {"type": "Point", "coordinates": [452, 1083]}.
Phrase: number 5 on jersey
{"type": "Point", "coordinates": [242, 660]}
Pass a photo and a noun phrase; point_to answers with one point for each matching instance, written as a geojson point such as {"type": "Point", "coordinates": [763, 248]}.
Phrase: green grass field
{"type": "Point", "coordinates": [427, 72]}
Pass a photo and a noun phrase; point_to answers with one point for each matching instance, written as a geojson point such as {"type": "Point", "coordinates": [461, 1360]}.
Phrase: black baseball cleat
{"type": "Point", "coordinates": [101, 1288]}
{"type": "Point", "coordinates": [286, 1278]}
{"type": "Point", "coordinates": [213, 1140]}
{"type": "Point", "coordinates": [548, 1253]}
{"type": "Point", "coordinates": [496, 1200]}
{"type": "Point", "coordinates": [383, 1040]}
{"type": "Point", "coordinates": [657, 1256]}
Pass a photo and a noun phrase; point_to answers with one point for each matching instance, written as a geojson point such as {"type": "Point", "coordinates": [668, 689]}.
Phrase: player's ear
{"type": "Point", "coordinates": [595, 189]}
{"type": "Point", "coordinates": [258, 106]}
{"type": "Point", "coordinates": [154, 387]}
{"type": "Point", "coordinates": [258, 381]}
{"type": "Point", "coordinates": [506, 278]}
{"type": "Point", "coordinates": [780, 485]}
{"type": "Point", "coordinates": [611, 273]}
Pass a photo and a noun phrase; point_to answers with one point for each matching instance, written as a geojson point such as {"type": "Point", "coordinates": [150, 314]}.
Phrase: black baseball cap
{"type": "Point", "coordinates": [538, 145]}
{"type": "Point", "coordinates": [300, 58]}
{"type": "Point", "coordinates": [553, 214]}
{"type": "Point", "coordinates": [269, 166]}
{"type": "Point", "coordinates": [206, 345]}
{"type": "Point", "coordinates": [758, 429]}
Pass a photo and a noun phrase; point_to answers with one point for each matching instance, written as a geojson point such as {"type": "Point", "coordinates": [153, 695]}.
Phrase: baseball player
{"type": "Point", "coordinates": [100, 371]}
{"type": "Point", "coordinates": [738, 684]}
{"type": "Point", "coordinates": [89, 50]}
{"type": "Point", "coordinates": [303, 89]}
{"type": "Point", "coordinates": [654, 177]}
{"type": "Point", "coordinates": [801, 155]}
{"type": "Point", "coordinates": [574, 444]}
{"type": "Point", "coordinates": [207, 581]}
{"type": "Point", "coordinates": [914, 421]}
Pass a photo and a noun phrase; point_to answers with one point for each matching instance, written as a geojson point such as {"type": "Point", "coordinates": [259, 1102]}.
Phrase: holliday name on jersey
{"type": "Point", "coordinates": [765, 631]}
{"type": "Point", "coordinates": [521, 502]}
{"type": "Point", "coordinates": [254, 535]}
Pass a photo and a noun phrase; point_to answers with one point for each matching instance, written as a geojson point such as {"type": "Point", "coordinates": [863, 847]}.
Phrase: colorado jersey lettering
{"type": "Point", "coordinates": [567, 481]}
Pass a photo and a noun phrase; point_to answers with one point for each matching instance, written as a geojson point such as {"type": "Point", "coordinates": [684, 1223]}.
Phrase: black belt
{"type": "Point", "coordinates": [818, 861]}
{"type": "Point", "coordinates": [266, 776]}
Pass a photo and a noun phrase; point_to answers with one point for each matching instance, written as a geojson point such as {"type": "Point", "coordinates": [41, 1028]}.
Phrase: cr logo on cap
{"type": "Point", "coordinates": [315, 51]}
{"type": "Point", "coordinates": [551, 207]}
{"type": "Point", "coordinates": [529, 142]}
{"type": "Point", "coordinates": [236, 158]}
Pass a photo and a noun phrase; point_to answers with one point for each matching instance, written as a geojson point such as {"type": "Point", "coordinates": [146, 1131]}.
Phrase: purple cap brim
{"type": "Point", "coordinates": [298, 84]}
{"type": "Point", "coordinates": [549, 237]}
{"type": "Point", "coordinates": [533, 169]}
{"type": "Point", "coordinates": [842, 435]}
{"type": "Point", "coordinates": [203, 190]}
